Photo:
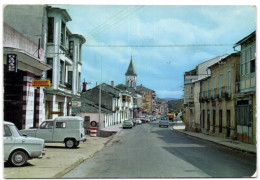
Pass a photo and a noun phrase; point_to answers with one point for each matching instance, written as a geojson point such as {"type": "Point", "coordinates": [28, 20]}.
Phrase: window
{"type": "Point", "coordinates": [61, 72]}
{"type": "Point", "coordinates": [220, 83]}
{"type": "Point", "coordinates": [70, 77]}
{"type": "Point", "coordinates": [60, 125]}
{"type": "Point", "coordinates": [203, 88]}
{"type": "Point", "coordinates": [252, 66]}
{"type": "Point", "coordinates": [228, 82]}
{"type": "Point", "coordinates": [49, 72]}
{"type": "Point", "coordinates": [79, 83]}
{"type": "Point", "coordinates": [214, 87]}
{"type": "Point", "coordinates": [71, 49]}
{"type": "Point", "coordinates": [62, 34]}
{"type": "Point", "coordinates": [7, 131]}
{"type": "Point", "coordinates": [47, 125]}
{"type": "Point", "coordinates": [60, 107]}
{"type": "Point", "coordinates": [50, 29]}
{"type": "Point", "coordinates": [208, 94]}
{"type": "Point", "coordinates": [80, 52]}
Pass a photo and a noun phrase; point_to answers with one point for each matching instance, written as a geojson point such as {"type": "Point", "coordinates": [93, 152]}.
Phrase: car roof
{"type": "Point", "coordinates": [8, 123]}
{"type": "Point", "coordinates": [69, 118]}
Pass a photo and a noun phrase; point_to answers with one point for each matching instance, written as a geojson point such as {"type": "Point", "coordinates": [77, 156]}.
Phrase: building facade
{"type": "Point", "coordinates": [23, 63]}
{"type": "Point", "coordinates": [192, 88]}
{"type": "Point", "coordinates": [246, 94]}
{"type": "Point", "coordinates": [217, 98]}
{"type": "Point", "coordinates": [46, 26]}
{"type": "Point", "coordinates": [148, 100]}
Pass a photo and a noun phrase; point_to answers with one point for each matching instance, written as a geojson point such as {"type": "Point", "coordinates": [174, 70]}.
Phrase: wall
{"type": "Point", "coordinates": [20, 17]}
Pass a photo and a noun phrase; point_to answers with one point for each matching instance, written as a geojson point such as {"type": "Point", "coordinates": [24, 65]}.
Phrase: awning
{"type": "Point", "coordinates": [26, 58]}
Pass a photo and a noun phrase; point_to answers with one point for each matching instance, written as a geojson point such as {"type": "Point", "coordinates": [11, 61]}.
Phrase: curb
{"type": "Point", "coordinates": [78, 162]}
{"type": "Point", "coordinates": [231, 147]}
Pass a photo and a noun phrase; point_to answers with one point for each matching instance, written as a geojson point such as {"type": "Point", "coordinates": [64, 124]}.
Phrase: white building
{"type": "Point", "coordinates": [46, 27]}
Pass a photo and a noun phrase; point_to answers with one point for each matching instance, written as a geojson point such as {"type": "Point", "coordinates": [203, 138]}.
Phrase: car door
{"type": "Point", "coordinates": [45, 131]}
{"type": "Point", "coordinates": [8, 141]}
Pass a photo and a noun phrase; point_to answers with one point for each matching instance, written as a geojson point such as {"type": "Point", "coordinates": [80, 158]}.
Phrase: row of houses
{"type": "Point", "coordinates": [110, 105]}
{"type": "Point", "coordinates": [220, 94]}
{"type": "Point", "coordinates": [38, 45]}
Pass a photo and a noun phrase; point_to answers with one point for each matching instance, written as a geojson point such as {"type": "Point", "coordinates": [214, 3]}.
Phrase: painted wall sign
{"type": "Point", "coordinates": [76, 104]}
{"type": "Point", "coordinates": [41, 83]}
{"type": "Point", "coordinates": [12, 62]}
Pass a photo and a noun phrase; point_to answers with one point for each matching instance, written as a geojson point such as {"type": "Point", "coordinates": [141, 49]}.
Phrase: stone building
{"type": "Point", "coordinates": [149, 97]}
{"type": "Point", "coordinates": [246, 94]}
{"type": "Point", "coordinates": [217, 97]}
{"type": "Point", "coordinates": [192, 89]}
{"type": "Point", "coordinates": [161, 107]}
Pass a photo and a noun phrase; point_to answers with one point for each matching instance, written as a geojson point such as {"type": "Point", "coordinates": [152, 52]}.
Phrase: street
{"type": "Point", "coordinates": [147, 151]}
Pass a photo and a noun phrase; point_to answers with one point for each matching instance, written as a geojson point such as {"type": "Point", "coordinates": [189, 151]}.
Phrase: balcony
{"type": "Point", "coordinates": [225, 92]}
{"type": "Point", "coordinates": [190, 99]}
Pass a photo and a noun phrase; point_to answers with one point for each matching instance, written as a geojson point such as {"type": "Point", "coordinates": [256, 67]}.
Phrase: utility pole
{"type": "Point", "coordinates": [99, 109]}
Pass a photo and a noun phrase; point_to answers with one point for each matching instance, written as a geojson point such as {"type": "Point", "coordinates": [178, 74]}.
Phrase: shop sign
{"type": "Point", "coordinates": [12, 62]}
{"type": "Point", "coordinates": [41, 83]}
{"type": "Point", "coordinates": [76, 104]}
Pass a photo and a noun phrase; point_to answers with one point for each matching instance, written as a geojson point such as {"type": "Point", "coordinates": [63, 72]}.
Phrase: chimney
{"type": "Point", "coordinates": [84, 86]}
{"type": "Point", "coordinates": [112, 83]}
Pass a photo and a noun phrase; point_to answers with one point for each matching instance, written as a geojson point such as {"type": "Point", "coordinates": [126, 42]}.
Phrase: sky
{"type": "Point", "coordinates": [163, 40]}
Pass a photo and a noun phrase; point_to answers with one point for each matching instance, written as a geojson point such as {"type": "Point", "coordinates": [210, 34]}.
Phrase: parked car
{"type": "Point", "coordinates": [63, 129]}
{"type": "Point", "coordinates": [18, 149]}
{"type": "Point", "coordinates": [164, 121]}
{"type": "Point", "coordinates": [138, 121]}
{"type": "Point", "coordinates": [127, 124]}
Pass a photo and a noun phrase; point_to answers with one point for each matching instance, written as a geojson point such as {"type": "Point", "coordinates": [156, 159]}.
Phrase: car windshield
{"type": "Point", "coordinates": [127, 121]}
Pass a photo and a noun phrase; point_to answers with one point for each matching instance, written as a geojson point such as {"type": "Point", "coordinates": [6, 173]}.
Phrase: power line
{"type": "Point", "coordinates": [117, 16]}
{"type": "Point", "coordinates": [114, 22]}
{"type": "Point", "coordinates": [163, 45]}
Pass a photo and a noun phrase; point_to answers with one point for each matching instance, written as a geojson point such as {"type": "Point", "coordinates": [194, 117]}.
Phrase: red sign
{"type": "Point", "coordinates": [41, 83]}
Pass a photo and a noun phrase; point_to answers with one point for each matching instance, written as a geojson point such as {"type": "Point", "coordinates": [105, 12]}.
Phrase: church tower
{"type": "Point", "coordinates": [131, 75]}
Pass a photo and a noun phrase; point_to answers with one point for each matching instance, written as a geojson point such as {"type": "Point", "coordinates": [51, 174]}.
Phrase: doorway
{"type": "Point", "coordinates": [220, 121]}
{"type": "Point", "coordinates": [228, 123]}
{"type": "Point", "coordinates": [13, 97]}
{"type": "Point", "coordinates": [214, 120]}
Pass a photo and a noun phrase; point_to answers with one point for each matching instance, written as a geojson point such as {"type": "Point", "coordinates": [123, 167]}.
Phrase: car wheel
{"type": "Point", "coordinates": [70, 143]}
{"type": "Point", "coordinates": [18, 158]}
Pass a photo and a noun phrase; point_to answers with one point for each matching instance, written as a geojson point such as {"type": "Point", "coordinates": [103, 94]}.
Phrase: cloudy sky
{"type": "Point", "coordinates": [163, 40]}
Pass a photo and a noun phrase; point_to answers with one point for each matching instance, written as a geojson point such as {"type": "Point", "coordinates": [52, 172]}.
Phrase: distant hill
{"type": "Point", "coordinates": [170, 99]}
{"type": "Point", "coordinates": [175, 105]}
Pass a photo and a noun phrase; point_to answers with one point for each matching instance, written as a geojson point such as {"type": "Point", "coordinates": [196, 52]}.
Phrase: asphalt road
{"type": "Point", "coordinates": [147, 151]}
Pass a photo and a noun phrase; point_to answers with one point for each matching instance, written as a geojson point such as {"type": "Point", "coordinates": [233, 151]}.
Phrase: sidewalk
{"type": "Point", "coordinates": [114, 128]}
{"type": "Point", "coordinates": [108, 131]}
{"type": "Point", "coordinates": [58, 160]}
{"type": "Point", "coordinates": [250, 148]}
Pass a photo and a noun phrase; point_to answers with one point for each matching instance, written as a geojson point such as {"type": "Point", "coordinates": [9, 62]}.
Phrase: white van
{"type": "Point", "coordinates": [63, 129]}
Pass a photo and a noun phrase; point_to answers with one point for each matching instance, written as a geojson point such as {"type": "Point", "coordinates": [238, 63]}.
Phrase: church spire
{"type": "Point", "coordinates": [131, 70]}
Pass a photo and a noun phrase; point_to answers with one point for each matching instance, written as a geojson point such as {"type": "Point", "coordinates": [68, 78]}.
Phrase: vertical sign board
{"type": "Point", "coordinates": [12, 62]}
